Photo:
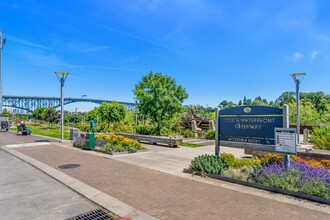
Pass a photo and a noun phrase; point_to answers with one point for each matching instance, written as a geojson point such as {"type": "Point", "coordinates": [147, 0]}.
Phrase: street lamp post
{"type": "Point", "coordinates": [84, 114]}
{"type": "Point", "coordinates": [136, 113]}
{"type": "Point", "coordinates": [297, 78]}
{"type": "Point", "coordinates": [2, 43]}
{"type": "Point", "coordinates": [62, 77]}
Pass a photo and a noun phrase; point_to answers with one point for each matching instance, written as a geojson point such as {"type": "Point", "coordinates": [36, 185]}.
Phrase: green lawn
{"type": "Point", "coordinates": [46, 130]}
{"type": "Point", "coordinates": [191, 145]}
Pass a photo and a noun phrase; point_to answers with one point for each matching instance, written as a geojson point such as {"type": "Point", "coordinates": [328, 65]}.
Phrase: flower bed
{"type": "Point", "coordinates": [110, 143]}
{"type": "Point", "coordinates": [113, 143]}
{"type": "Point", "coordinates": [302, 177]}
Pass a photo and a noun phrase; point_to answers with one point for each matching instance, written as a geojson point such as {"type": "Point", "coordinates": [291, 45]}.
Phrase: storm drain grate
{"type": "Point", "coordinates": [69, 166]}
{"type": "Point", "coordinates": [97, 214]}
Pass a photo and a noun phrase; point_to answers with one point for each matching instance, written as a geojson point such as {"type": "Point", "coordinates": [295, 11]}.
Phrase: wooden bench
{"type": "Point", "coordinates": [170, 141]}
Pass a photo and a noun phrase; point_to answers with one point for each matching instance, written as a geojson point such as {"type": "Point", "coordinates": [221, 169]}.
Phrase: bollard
{"type": "Point", "coordinates": [306, 133]}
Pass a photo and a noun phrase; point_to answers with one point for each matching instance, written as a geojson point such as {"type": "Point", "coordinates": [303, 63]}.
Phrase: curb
{"type": "Point", "coordinates": [104, 200]}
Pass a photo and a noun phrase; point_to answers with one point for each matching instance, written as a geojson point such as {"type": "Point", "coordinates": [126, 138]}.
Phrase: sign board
{"type": "Point", "coordinates": [285, 140]}
{"type": "Point", "coordinates": [249, 124]}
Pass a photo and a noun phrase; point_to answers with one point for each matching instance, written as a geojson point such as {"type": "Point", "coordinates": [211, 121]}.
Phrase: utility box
{"type": "Point", "coordinates": [91, 140]}
{"type": "Point", "coordinates": [74, 133]}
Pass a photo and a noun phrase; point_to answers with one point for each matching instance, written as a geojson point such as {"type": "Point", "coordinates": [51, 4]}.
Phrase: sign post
{"type": "Point", "coordinates": [285, 143]}
{"type": "Point", "coordinates": [217, 147]}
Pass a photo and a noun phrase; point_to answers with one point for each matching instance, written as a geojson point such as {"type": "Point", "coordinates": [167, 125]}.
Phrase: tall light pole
{"type": "Point", "coordinates": [297, 78]}
{"type": "Point", "coordinates": [84, 96]}
{"type": "Point", "coordinates": [62, 77]}
{"type": "Point", "coordinates": [136, 113]}
{"type": "Point", "coordinates": [2, 43]}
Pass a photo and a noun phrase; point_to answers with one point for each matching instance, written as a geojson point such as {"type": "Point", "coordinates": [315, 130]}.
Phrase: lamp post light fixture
{"type": "Point", "coordinates": [62, 77]}
{"type": "Point", "coordinates": [297, 78]}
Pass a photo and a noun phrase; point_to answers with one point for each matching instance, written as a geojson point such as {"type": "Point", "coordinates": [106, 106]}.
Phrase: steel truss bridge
{"type": "Point", "coordinates": [30, 103]}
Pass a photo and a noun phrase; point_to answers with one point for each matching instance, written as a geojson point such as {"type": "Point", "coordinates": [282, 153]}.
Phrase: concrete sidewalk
{"type": "Point", "coordinates": [27, 193]}
{"type": "Point", "coordinates": [166, 196]}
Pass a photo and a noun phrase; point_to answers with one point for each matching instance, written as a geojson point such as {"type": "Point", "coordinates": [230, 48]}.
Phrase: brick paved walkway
{"type": "Point", "coordinates": [166, 196]}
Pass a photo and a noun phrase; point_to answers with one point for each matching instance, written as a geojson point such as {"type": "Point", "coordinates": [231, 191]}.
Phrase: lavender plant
{"type": "Point", "coordinates": [80, 142]}
{"type": "Point", "coordinates": [299, 178]}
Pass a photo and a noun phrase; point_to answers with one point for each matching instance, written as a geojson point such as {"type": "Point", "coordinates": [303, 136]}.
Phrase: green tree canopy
{"type": "Point", "coordinates": [5, 113]}
{"type": "Point", "coordinates": [111, 112]}
{"type": "Point", "coordinates": [92, 114]}
{"type": "Point", "coordinates": [75, 118]}
{"type": "Point", "coordinates": [39, 113]}
{"type": "Point", "coordinates": [159, 97]}
{"type": "Point", "coordinates": [52, 116]}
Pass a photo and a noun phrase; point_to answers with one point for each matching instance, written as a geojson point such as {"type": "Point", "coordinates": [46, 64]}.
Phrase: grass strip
{"type": "Point", "coordinates": [45, 130]}
{"type": "Point", "coordinates": [191, 145]}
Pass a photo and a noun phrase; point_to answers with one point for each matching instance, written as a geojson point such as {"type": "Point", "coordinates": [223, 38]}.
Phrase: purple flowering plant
{"type": "Point", "coordinates": [300, 177]}
{"type": "Point", "coordinates": [80, 142]}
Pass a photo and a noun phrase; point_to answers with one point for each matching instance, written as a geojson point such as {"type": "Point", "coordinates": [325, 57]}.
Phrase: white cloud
{"type": "Point", "coordinates": [85, 48]}
{"type": "Point", "coordinates": [314, 54]}
{"type": "Point", "coordinates": [25, 42]}
{"type": "Point", "coordinates": [39, 58]}
{"type": "Point", "coordinates": [297, 56]}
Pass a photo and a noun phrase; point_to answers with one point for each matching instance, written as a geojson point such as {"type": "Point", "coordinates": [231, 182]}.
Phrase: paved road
{"type": "Point", "coordinates": [27, 193]}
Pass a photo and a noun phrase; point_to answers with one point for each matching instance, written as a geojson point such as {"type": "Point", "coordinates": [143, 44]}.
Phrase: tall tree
{"type": "Point", "coordinates": [160, 98]}
{"type": "Point", "coordinates": [51, 116]}
{"type": "Point", "coordinates": [111, 112]}
{"type": "Point", "coordinates": [39, 113]}
{"type": "Point", "coordinates": [5, 113]}
{"type": "Point", "coordinates": [285, 98]}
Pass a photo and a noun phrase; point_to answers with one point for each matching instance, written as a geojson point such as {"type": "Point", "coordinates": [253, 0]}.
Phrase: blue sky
{"type": "Point", "coordinates": [215, 49]}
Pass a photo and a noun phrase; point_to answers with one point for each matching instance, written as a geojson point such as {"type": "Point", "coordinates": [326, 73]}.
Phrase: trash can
{"type": "Point", "coordinates": [91, 140]}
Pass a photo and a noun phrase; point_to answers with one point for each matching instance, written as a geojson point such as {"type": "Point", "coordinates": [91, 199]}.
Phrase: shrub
{"type": "Point", "coordinates": [240, 162]}
{"type": "Point", "coordinates": [80, 142]}
{"type": "Point", "coordinates": [210, 135]}
{"type": "Point", "coordinates": [117, 143]}
{"type": "Point", "coordinates": [122, 127]}
{"type": "Point", "coordinates": [188, 133]}
{"type": "Point", "coordinates": [242, 173]}
{"type": "Point", "coordinates": [271, 158]}
{"type": "Point", "coordinates": [164, 131]}
{"type": "Point", "coordinates": [247, 162]}
{"type": "Point", "coordinates": [326, 163]}
{"type": "Point", "coordinates": [229, 158]}
{"type": "Point", "coordinates": [314, 163]}
{"type": "Point", "coordinates": [142, 129]}
{"type": "Point", "coordinates": [321, 138]}
{"type": "Point", "coordinates": [299, 177]}
{"type": "Point", "coordinates": [208, 164]}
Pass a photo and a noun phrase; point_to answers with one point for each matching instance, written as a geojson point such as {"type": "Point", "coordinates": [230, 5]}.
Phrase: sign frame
{"type": "Point", "coordinates": [288, 139]}
{"type": "Point", "coordinates": [249, 125]}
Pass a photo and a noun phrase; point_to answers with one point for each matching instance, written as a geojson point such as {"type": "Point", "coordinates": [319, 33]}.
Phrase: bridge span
{"type": "Point", "coordinates": [30, 103]}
